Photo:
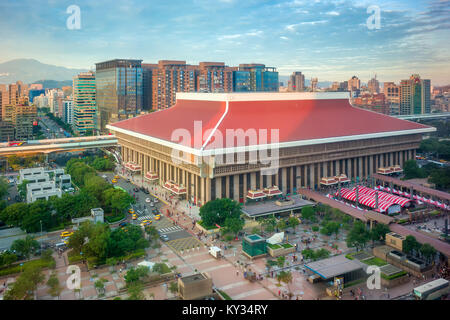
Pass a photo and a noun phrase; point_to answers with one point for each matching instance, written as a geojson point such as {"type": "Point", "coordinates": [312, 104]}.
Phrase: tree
{"type": "Point", "coordinates": [410, 245]}
{"type": "Point", "coordinates": [95, 186]}
{"type": "Point", "coordinates": [7, 258]}
{"type": "Point", "coordinates": [330, 228]}
{"type": "Point", "coordinates": [427, 251]}
{"type": "Point", "coordinates": [55, 288]}
{"type": "Point", "coordinates": [22, 188]}
{"type": "Point", "coordinates": [100, 285]}
{"type": "Point", "coordinates": [218, 210]}
{"type": "Point", "coordinates": [233, 225]}
{"type": "Point", "coordinates": [281, 260]}
{"type": "Point", "coordinates": [321, 254]}
{"type": "Point", "coordinates": [25, 247]}
{"type": "Point", "coordinates": [135, 292]}
{"type": "Point", "coordinates": [38, 217]}
{"type": "Point", "coordinates": [4, 185]}
{"type": "Point", "coordinates": [26, 284]}
{"type": "Point", "coordinates": [282, 225]}
{"type": "Point", "coordinates": [117, 200]}
{"type": "Point", "coordinates": [293, 222]}
{"type": "Point", "coordinates": [269, 224]}
{"type": "Point", "coordinates": [286, 277]}
{"type": "Point", "coordinates": [135, 275]}
{"type": "Point", "coordinates": [378, 232]}
{"type": "Point", "coordinates": [13, 214]}
{"type": "Point", "coordinates": [358, 236]}
{"type": "Point", "coordinates": [412, 170]}
{"type": "Point", "coordinates": [173, 287]}
{"type": "Point", "coordinates": [152, 233]}
{"type": "Point", "coordinates": [308, 214]}
{"type": "Point", "coordinates": [441, 178]}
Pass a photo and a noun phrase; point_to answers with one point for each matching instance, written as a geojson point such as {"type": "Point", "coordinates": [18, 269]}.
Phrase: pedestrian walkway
{"type": "Point", "coordinates": [184, 244]}
{"type": "Point", "coordinates": [140, 219]}
{"type": "Point", "coordinates": [170, 229]}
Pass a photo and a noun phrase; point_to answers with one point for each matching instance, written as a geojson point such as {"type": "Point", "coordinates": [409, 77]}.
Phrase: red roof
{"type": "Point", "coordinates": [296, 120]}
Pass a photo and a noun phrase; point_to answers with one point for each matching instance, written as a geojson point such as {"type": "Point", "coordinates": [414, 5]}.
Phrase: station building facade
{"type": "Point", "coordinates": [308, 135]}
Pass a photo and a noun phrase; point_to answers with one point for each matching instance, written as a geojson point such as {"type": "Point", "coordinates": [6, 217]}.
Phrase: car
{"type": "Point", "coordinates": [148, 200]}
{"type": "Point", "coordinates": [131, 210]}
{"type": "Point", "coordinates": [114, 181]}
{"type": "Point", "coordinates": [135, 189]}
{"type": "Point", "coordinates": [146, 191]}
{"type": "Point", "coordinates": [66, 234]}
{"type": "Point", "coordinates": [123, 224]}
{"type": "Point", "coordinates": [152, 204]}
{"type": "Point", "coordinates": [128, 180]}
{"type": "Point", "coordinates": [146, 223]}
{"type": "Point", "coordinates": [164, 237]}
{"type": "Point", "coordinates": [134, 216]}
{"type": "Point", "coordinates": [155, 200]}
{"type": "Point", "coordinates": [116, 177]}
{"type": "Point", "coordinates": [104, 176]}
{"type": "Point", "coordinates": [158, 217]}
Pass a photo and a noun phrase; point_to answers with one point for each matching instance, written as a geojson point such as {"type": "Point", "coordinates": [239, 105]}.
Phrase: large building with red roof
{"type": "Point", "coordinates": [214, 145]}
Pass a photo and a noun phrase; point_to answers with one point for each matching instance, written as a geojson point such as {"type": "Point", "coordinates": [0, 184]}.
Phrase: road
{"type": "Point", "coordinates": [54, 130]}
{"type": "Point", "coordinates": [144, 211]}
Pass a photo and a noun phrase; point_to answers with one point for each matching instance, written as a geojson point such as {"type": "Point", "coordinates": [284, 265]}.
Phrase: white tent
{"type": "Point", "coordinates": [147, 264]}
{"type": "Point", "coordinates": [276, 238]}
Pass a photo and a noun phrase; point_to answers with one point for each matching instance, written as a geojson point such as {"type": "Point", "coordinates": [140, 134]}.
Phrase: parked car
{"type": "Point", "coordinates": [164, 237]}
{"type": "Point", "coordinates": [148, 200]}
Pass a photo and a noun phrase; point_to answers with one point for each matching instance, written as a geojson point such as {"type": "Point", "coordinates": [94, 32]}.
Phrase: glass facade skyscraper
{"type": "Point", "coordinates": [84, 107]}
{"type": "Point", "coordinates": [255, 77]}
{"type": "Point", "coordinates": [119, 90]}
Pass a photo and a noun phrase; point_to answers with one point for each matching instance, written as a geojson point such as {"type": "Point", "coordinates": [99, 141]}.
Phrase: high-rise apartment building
{"type": "Point", "coordinates": [354, 84]}
{"type": "Point", "coordinates": [373, 85]}
{"type": "Point", "coordinates": [84, 106]}
{"type": "Point", "coordinates": [68, 111]}
{"type": "Point", "coordinates": [214, 77]}
{"type": "Point", "coordinates": [392, 94]}
{"type": "Point", "coordinates": [119, 86]}
{"type": "Point", "coordinates": [296, 82]}
{"type": "Point", "coordinates": [147, 74]}
{"type": "Point", "coordinates": [314, 84]}
{"type": "Point", "coordinates": [23, 117]}
{"type": "Point", "coordinates": [415, 95]}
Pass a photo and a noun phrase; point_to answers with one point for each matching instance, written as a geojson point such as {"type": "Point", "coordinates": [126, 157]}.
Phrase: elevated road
{"type": "Point", "coordinates": [47, 146]}
{"type": "Point", "coordinates": [425, 116]}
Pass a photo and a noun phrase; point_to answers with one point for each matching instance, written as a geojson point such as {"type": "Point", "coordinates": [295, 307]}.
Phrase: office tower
{"type": "Point", "coordinates": [255, 77]}
{"type": "Point", "coordinates": [68, 111]}
{"type": "Point", "coordinates": [84, 107]}
{"type": "Point", "coordinates": [415, 95]}
{"type": "Point", "coordinates": [314, 84]}
{"type": "Point", "coordinates": [119, 86]}
{"type": "Point", "coordinates": [296, 82]}
{"type": "Point", "coordinates": [354, 84]}
{"type": "Point", "coordinates": [373, 85]}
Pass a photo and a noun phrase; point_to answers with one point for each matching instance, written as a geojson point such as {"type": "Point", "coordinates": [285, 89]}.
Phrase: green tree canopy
{"type": "Point", "coordinates": [410, 245]}
{"type": "Point", "coordinates": [358, 236]}
{"type": "Point", "coordinates": [25, 247]}
{"type": "Point", "coordinates": [218, 210]}
{"type": "Point", "coordinates": [26, 284]}
{"type": "Point", "coordinates": [308, 214]}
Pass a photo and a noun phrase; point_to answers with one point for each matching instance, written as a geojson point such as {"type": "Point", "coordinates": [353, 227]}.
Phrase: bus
{"type": "Point", "coordinates": [433, 290]}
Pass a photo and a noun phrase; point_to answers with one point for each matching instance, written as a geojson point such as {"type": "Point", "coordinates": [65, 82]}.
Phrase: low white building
{"type": "Point", "coordinates": [30, 174]}
{"type": "Point", "coordinates": [42, 191]}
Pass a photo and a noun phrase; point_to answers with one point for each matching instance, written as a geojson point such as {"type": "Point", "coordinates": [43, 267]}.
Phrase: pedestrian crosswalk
{"type": "Point", "coordinates": [142, 218]}
{"type": "Point", "coordinates": [170, 229]}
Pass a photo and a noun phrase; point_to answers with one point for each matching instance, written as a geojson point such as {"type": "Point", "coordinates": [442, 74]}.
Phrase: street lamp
{"type": "Point", "coordinates": [41, 226]}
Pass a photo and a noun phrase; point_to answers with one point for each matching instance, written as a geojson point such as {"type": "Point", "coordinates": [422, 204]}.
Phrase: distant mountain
{"type": "Point", "coordinates": [53, 84]}
{"type": "Point", "coordinates": [31, 70]}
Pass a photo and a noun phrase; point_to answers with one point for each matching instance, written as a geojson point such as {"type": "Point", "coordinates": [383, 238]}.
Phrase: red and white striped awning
{"type": "Point", "coordinates": [328, 181]}
{"type": "Point", "coordinates": [272, 191]}
{"type": "Point", "coordinates": [151, 176]}
{"type": "Point", "coordinates": [384, 196]}
{"type": "Point", "coordinates": [255, 194]}
{"type": "Point", "coordinates": [396, 168]}
{"type": "Point", "coordinates": [133, 166]}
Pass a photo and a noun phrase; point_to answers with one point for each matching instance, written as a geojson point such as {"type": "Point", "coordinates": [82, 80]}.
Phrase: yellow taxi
{"type": "Point", "coordinates": [66, 242]}
{"type": "Point", "coordinates": [131, 211]}
{"type": "Point", "coordinates": [116, 177]}
{"type": "Point", "coordinates": [157, 217]}
{"type": "Point", "coordinates": [134, 216]}
{"type": "Point", "coordinates": [65, 234]}
{"type": "Point", "coordinates": [146, 223]}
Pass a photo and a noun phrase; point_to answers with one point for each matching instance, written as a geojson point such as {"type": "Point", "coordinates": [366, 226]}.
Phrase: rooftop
{"type": "Point", "coordinates": [290, 119]}
{"type": "Point", "coordinates": [267, 207]}
{"type": "Point", "coordinates": [334, 266]}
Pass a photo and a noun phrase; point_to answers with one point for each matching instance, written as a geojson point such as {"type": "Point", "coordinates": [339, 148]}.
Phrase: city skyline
{"type": "Point", "coordinates": [325, 39]}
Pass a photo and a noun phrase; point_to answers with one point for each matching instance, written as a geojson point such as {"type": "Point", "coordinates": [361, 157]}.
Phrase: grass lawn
{"type": "Point", "coordinates": [273, 246]}
{"type": "Point", "coordinates": [375, 261]}
{"type": "Point", "coordinates": [287, 245]}
{"type": "Point", "coordinates": [17, 268]}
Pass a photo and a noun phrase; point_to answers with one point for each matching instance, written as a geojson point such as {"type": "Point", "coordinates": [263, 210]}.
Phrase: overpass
{"type": "Point", "coordinates": [429, 116]}
{"type": "Point", "coordinates": [47, 146]}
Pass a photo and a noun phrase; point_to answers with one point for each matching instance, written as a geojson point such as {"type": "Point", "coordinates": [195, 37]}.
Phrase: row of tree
{"type": "Point", "coordinates": [440, 176]}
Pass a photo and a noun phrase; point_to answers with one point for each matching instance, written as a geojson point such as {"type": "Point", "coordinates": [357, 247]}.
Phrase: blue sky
{"type": "Point", "coordinates": [325, 39]}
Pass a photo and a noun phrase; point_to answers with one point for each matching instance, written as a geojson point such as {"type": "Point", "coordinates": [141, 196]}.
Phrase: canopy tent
{"type": "Point", "coordinates": [256, 194]}
{"type": "Point", "coordinates": [404, 202]}
{"type": "Point", "coordinates": [368, 200]}
{"type": "Point", "coordinates": [147, 264]}
{"type": "Point", "coordinates": [396, 168]}
{"type": "Point", "coordinates": [328, 181]}
{"type": "Point", "coordinates": [276, 238]}
{"type": "Point", "coordinates": [151, 176]}
{"type": "Point", "coordinates": [272, 191]}
{"type": "Point", "coordinates": [133, 166]}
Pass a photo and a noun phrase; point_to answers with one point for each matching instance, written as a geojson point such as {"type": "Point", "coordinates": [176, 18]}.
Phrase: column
{"type": "Point", "coordinates": [227, 186]}
{"type": "Point", "coordinates": [360, 173]}
{"type": "Point", "coordinates": [219, 187]}
{"type": "Point", "coordinates": [236, 187]}
{"type": "Point", "coordinates": [311, 176]}
{"type": "Point", "coordinates": [349, 168]}
{"type": "Point", "coordinates": [208, 190]}
{"type": "Point", "coordinates": [283, 179]}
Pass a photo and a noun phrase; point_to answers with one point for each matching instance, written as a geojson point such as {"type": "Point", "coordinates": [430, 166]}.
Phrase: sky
{"type": "Point", "coordinates": [328, 39]}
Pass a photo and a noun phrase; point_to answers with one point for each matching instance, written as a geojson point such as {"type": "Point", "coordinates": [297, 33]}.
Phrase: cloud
{"type": "Point", "coordinates": [284, 38]}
